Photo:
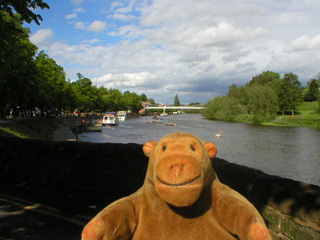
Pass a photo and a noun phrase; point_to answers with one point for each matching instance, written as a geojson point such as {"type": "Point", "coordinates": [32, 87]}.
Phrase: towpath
{"type": "Point", "coordinates": [63, 132]}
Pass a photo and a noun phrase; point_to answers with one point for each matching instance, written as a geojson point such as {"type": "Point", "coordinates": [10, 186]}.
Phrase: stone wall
{"type": "Point", "coordinates": [76, 174]}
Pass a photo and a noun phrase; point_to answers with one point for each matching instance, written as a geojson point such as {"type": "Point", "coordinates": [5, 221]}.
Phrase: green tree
{"type": "Point", "coordinates": [195, 104]}
{"type": "Point", "coordinates": [312, 92]}
{"type": "Point", "coordinates": [132, 101]}
{"type": "Point", "coordinates": [15, 47]}
{"type": "Point", "coordinates": [176, 101]}
{"type": "Point", "coordinates": [84, 94]}
{"type": "Point", "coordinates": [264, 78]}
{"type": "Point", "coordinates": [225, 109]}
{"type": "Point", "coordinates": [101, 104]}
{"type": "Point", "coordinates": [25, 8]}
{"type": "Point", "coordinates": [151, 101]}
{"type": "Point", "coordinates": [113, 100]}
{"type": "Point", "coordinates": [262, 102]}
{"type": "Point", "coordinates": [96, 98]}
{"type": "Point", "coordinates": [238, 93]}
{"type": "Point", "coordinates": [292, 92]}
{"type": "Point", "coordinates": [16, 63]}
{"type": "Point", "coordinates": [70, 96]}
{"type": "Point", "coordinates": [144, 97]}
{"type": "Point", "coordinates": [52, 83]}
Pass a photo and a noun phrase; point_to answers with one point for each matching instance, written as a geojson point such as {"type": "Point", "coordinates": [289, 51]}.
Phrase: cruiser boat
{"type": "Point", "coordinates": [122, 115]}
{"type": "Point", "coordinates": [111, 119]}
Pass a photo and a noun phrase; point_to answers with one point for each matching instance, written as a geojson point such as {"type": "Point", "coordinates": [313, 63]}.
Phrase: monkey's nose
{"type": "Point", "coordinates": [176, 170]}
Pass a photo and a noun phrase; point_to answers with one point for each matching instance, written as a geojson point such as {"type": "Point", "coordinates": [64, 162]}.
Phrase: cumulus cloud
{"type": "Point", "coordinates": [304, 43]}
{"type": "Point", "coordinates": [80, 25]}
{"type": "Point", "coordinates": [195, 49]}
{"type": "Point", "coordinates": [121, 16]}
{"type": "Point", "coordinates": [127, 9]}
{"type": "Point", "coordinates": [42, 36]}
{"type": "Point", "coordinates": [79, 10]}
{"type": "Point", "coordinates": [97, 26]}
{"type": "Point", "coordinates": [72, 15]}
{"type": "Point", "coordinates": [114, 5]}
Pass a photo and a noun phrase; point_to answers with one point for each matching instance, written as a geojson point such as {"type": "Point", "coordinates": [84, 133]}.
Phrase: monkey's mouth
{"type": "Point", "coordinates": [178, 184]}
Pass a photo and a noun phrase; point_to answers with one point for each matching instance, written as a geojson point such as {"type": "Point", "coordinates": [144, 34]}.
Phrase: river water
{"type": "Point", "coordinates": [288, 152]}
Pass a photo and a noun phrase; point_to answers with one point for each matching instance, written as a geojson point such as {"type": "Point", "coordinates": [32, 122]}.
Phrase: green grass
{"type": "Point", "coordinates": [307, 115]}
{"type": "Point", "coordinates": [308, 108]}
{"type": "Point", "coordinates": [15, 130]}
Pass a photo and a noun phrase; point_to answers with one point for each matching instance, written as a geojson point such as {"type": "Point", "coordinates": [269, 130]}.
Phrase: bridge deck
{"type": "Point", "coordinates": [175, 107]}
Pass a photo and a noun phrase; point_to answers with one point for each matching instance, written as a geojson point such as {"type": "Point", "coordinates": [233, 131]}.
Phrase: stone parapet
{"type": "Point", "coordinates": [290, 208]}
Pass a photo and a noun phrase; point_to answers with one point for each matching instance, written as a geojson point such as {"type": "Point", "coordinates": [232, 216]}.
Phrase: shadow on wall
{"type": "Point", "coordinates": [75, 175]}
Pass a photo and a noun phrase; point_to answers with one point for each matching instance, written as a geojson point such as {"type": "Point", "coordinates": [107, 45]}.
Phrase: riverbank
{"type": "Point", "coordinates": [306, 115]}
{"type": "Point", "coordinates": [57, 129]}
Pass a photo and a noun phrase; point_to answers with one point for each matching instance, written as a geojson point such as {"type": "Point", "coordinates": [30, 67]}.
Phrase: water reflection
{"type": "Point", "coordinates": [284, 151]}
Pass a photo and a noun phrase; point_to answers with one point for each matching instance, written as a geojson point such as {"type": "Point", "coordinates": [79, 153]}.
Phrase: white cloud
{"type": "Point", "coordinates": [42, 36]}
{"type": "Point", "coordinates": [304, 43]}
{"type": "Point", "coordinates": [80, 25]}
{"type": "Point", "coordinates": [72, 15]}
{"type": "Point", "coordinates": [125, 79]}
{"type": "Point", "coordinates": [92, 41]}
{"type": "Point", "coordinates": [121, 16]}
{"type": "Point", "coordinates": [76, 2]}
{"type": "Point", "coordinates": [128, 8]}
{"type": "Point", "coordinates": [115, 5]}
{"type": "Point", "coordinates": [79, 10]}
{"type": "Point", "coordinates": [131, 32]}
{"type": "Point", "coordinates": [195, 49]}
{"type": "Point", "coordinates": [97, 26]}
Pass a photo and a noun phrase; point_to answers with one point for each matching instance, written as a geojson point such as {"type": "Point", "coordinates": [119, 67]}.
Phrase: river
{"type": "Point", "coordinates": [288, 152]}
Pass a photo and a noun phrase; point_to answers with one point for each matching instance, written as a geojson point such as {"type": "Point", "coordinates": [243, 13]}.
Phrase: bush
{"type": "Point", "coordinates": [225, 109]}
{"type": "Point", "coordinates": [263, 102]}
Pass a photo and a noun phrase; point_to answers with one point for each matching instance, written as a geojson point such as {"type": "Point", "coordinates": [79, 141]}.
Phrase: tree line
{"type": "Point", "coordinates": [32, 80]}
{"type": "Point", "coordinates": [262, 98]}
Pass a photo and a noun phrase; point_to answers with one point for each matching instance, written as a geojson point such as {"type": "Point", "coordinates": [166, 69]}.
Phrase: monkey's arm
{"type": "Point", "coordinates": [116, 221]}
{"type": "Point", "coordinates": [238, 215]}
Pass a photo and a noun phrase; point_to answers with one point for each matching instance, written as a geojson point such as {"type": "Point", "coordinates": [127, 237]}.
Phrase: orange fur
{"type": "Point", "coordinates": [181, 198]}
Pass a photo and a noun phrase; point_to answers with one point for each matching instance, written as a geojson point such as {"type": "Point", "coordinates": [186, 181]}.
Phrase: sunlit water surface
{"type": "Point", "coordinates": [283, 151]}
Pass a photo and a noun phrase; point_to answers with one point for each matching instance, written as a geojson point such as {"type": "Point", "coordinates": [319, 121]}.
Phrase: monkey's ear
{"type": "Point", "coordinates": [148, 147]}
{"type": "Point", "coordinates": [211, 148]}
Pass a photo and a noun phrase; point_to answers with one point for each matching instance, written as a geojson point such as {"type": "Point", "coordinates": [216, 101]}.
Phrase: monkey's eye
{"type": "Point", "coordinates": [164, 148]}
{"type": "Point", "coordinates": [192, 148]}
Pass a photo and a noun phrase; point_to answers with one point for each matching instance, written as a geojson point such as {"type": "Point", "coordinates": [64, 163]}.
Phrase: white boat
{"type": "Point", "coordinates": [111, 119]}
{"type": "Point", "coordinates": [122, 115]}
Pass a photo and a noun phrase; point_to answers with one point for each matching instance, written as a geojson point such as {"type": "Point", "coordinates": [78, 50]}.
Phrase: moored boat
{"type": "Point", "coordinates": [110, 118]}
{"type": "Point", "coordinates": [122, 115]}
{"type": "Point", "coordinates": [94, 129]}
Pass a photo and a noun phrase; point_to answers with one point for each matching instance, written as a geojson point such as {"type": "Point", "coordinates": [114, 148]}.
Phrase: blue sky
{"type": "Point", "coordinates": [195, 49]}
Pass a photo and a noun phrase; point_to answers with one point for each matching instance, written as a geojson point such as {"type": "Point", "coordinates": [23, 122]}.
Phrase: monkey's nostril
{"type": "Point", "coordinates": [177, 167]}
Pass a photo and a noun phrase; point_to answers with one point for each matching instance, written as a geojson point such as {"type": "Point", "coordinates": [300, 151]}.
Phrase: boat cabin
{"type": "Point", "coordinates": [110, 118]}
{"type": "Point", "coordinates": [122, 115]}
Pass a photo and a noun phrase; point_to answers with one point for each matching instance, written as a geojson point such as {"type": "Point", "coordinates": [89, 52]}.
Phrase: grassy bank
{"type": "Point", "coordinates": [33, 128]}
{"type": "Point", "coordinates": [306, 116]}
{"type": "Point", "coordinates": [11, 129]}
